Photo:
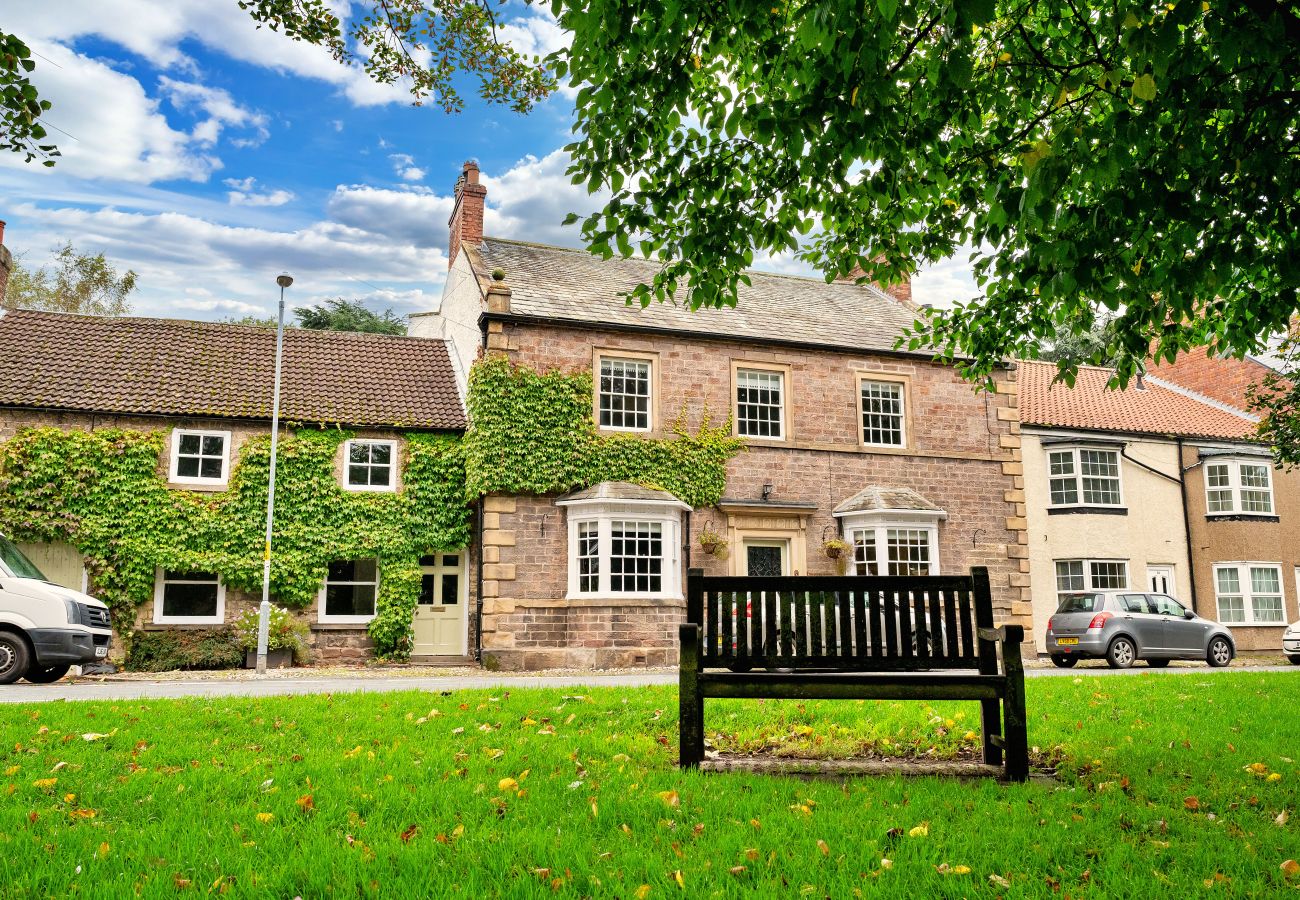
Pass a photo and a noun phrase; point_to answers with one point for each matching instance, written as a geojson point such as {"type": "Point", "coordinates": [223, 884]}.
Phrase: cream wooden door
{"type": "Point", "coordinates": [440, 622]}
{"type": "Point", "coordinates": [60, 563]}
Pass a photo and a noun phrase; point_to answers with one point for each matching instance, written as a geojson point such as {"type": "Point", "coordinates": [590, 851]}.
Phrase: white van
{"type": "Point", "coordinates": [45, 629]}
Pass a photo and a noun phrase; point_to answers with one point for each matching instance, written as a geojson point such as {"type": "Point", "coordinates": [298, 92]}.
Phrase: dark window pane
{"type": "Point", "coordinates": [350, 600]}
{"type": "Point", "coordinates": [380, 476]}
{"type": "Point", "coordinates": [426, 590]}
{"type": "Point", "coordinates": [428, 560]}
{"type": "Point", "coordinates": [450, 589]}
{"type": "Point", "coordinates": [357, 475]}
{"type": "Point", "coordinates": [381, 453]}
{"type": "Point", "coordinates": [213, 445]}
{"type": "Point", "coordinates": [341, 570]}
{"type": "Point", "coordinates": [210, 467]}
{"type": "Point", "coordinates": [172, 575]}
{"type": "Point", "coordinates": [359, 453]}
{"type": "Point", "coordinates": [366, 569]}
{"type": "Point", "coordinates": [763, 561]}
{"type": "Point", "coordinates": [187, 467]}
{"type": "Point", "coordinates": [451, 560]}
{"type": "Point", "coordinates": [189, 599]}
{"type": "Point", "coordinates": [190, 444]}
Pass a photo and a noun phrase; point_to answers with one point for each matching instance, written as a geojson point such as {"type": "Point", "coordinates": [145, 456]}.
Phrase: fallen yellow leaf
{"type": "Point", "coordinates": [45, 783]}
{"type": "Point", "coordinates": [922, 830]}
{"type": "Point", "coordinates": [961, 870]}
{"type": "Point", "coordinates": [103, 850]}
{"type": "Point", "coordinates": [506, 784]}
{"type": "Point", "coordinates": [1290, 868]}
{"type": "Point", "coordinates": [822, 846]}
{"type": "Point", "coordinates": [681, 881]}
{"type": "Point", "coordinates": [265, 817]}
{"type": "Point", "coordinates": [670, 798]}
{"type": "Point", "coordinates": [642, 892]}
{"type": "Point", "coordinates": [1276, 776]}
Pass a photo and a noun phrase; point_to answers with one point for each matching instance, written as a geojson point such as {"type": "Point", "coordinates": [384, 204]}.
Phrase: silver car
{"type": "Point", "coordinates": [1123, 626]}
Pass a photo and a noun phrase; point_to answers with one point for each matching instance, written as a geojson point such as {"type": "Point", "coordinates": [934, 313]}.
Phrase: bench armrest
{"type": "Point", "coordinates": [688, 635]}
{"type": "Point", "coordinates": [1004, 634]}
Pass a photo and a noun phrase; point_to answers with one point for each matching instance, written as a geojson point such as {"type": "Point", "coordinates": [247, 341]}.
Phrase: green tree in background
{"type": "Point", "coordinates": [349, 315]}
{"type": "Point", "coordinates": [75, 283]}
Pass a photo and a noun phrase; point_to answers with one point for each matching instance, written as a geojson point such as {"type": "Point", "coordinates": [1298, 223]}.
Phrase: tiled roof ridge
{"type": "Point", "coordinates": [805, 278]}
{"type": "Point", "coordinates": [1201, 398]}
{"type": "Point", "coordinates": [199, 324]}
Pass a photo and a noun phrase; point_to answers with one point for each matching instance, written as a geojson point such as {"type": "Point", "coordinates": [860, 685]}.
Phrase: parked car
{"type": "Point", "coordinates": [44, 628]}
{"type": "Point", "coordinates": [1124, 626]}
{"type": "Point", "coordinates": [1291, 643]}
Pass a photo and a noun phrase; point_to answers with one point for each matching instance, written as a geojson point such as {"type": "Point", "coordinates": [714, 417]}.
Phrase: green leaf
{"type": "Point", "coordinates": [1144, 88]}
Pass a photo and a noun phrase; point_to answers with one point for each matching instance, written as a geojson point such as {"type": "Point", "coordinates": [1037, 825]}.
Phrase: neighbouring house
{"type": "Point", "coordinates": [1155, 487]}
{"type": "Point", "coordinates": [134, 462]}
{"type": "Point", "coordinates": [1243, 511]}
{"type": "Point", "coordinates": [615, 446]}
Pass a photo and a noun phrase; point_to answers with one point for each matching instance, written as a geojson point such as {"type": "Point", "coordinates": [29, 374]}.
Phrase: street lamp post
{"type": "Point", "coordinates": [264, 611]}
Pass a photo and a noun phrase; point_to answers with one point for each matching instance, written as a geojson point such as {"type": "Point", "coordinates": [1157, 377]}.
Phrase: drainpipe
{"type": "Point", "coordinates": [478, 591]}
{"type": "Point", "coordinates": [686, 542]}
{"type": "Point", "coordinates": [1187, 526]}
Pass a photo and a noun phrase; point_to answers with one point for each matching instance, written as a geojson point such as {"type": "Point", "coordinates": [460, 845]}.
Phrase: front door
{"type": "Point", "coordinates": [767, 557]}
{"type": "Point", "coordinates": [1160, 579]}
{"type": "Point", "coordinates": [440, 623]}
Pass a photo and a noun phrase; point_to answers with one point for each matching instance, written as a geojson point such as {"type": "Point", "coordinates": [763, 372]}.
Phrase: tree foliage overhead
{"type": "Point", "coordinates": [20, 104]}
{"type": "Point", "coordinates": [1132, 155]}
{"type": "Point", "coordinates": [1276, 400]}
{"type": "Point", "coordinates": [348, 315]}
{"type": "Point", "coordinates": [76, 283]}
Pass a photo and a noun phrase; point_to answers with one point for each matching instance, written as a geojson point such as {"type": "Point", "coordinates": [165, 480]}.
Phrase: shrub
{"type": "Point", "coordinates": [285, 632]}
{"type": "Point", "coordinates": [166, 651]}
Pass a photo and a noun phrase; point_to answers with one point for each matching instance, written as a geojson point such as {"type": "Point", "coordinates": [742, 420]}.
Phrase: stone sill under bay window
{"type": "Point", "coordinates": [1087, 510]}
{"type": "Point", "coordinates": [1242, 517]}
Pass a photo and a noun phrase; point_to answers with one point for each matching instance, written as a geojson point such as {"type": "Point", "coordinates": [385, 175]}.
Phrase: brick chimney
{"type": "Point", "coordinates": [466, 222]}
{"type": "Point", "coordinates": [6, 264]}
{"type": "Point", "coordinates": [900, 291]}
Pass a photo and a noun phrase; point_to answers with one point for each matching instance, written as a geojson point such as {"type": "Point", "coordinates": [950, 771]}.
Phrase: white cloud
{"type": "Point", "coordinates": [946, 283]}
{"type": "Point", "coordinates": [244, 192]}
{"type": "Point", "coordinates": [405, 167]}
{"type": "Point", "coordinates": [109, 128]}
{"type": "Point", "coordinates": [221, 109]}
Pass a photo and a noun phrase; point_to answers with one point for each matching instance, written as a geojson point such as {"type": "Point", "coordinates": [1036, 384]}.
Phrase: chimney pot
{"type": "Point", "coordinates": [466, 222]}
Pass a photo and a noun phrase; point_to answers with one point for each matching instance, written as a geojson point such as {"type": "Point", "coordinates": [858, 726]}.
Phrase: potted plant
{"type": "Point", "coordinates": [286, 638]}
{"type": "Point", "coordinates": [713, 543]}
{"type": "Point", "coordinates": [834, 548]}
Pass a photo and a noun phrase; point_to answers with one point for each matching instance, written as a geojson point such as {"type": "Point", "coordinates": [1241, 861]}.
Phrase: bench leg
{"type": "Point", "coordinates": [1017, 739]}
{"type": "Point", "coordinates": [991, 728]}
{"type": "Point", "coordinates": [690, 716]}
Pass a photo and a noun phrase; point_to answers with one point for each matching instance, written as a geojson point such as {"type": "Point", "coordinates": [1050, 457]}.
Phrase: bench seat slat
{"type": "Point", "coordinates": [869, 686]}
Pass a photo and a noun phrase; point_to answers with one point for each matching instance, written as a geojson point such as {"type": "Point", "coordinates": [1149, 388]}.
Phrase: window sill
{"type": "Point", "coordinates": [182, 626]}
{"type": "Point", "coordinates": [1242, 517]}
{"type": "Point", "coordinates": [339, 626]}
{"type": "Point", "coordinates": [344, 623]}
{"type": "Point", "coordinates": [198, 485]}
{"type": "Point", "coordinates": [1254, 624]}
{"type": "Point", "coordinates": [1087, 510]}
{"type": "Point", "coordinates": [367, 489]}
{"type": "Point", "coordinates": [585, 600]}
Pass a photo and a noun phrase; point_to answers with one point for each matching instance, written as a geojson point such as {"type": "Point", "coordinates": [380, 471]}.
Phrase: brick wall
{"type": "Point", "coordinates": [964, 456]}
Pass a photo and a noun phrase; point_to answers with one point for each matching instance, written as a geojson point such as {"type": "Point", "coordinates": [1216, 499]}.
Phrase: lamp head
{"type": "Point", "coordinates": [284, 279]}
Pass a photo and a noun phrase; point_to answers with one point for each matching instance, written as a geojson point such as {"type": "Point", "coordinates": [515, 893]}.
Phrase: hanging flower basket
{"type": "Point", "coordinates": [834, 548]}
{"type": "Point", "coordinates": [714, 544]}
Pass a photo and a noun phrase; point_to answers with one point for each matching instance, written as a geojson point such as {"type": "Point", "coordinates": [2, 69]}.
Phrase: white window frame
{"type": "Point", "coordinates": [902, 386]}
{"type": "Point", "coordinates": [603, 357]}
{"type": "Point", "coordinates": [603, 513]}
{"type": "Point", "coordinates": [1247, 593]}
{"type": "Point", "coordinates": [1088, 585]}
{"type": "Point", "coordinates": [392, 468]}
{"type": "Point", "coordinates": [325, 618]}
{"type": "Point", "coordinates": [1078, 476]}
{"type": "Point", "coordinates": [159, 588]}
{"type": "Point", "coordinates": [779, 374]}
{"type": "Point", "coordinates": [880, 522]}
{"type": "Point", "coordinates": [1235, 487]}
{"type": "Point", "coordinates": [177, 433]}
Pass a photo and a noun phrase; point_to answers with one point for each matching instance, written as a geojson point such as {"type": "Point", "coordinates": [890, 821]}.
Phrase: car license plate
{"type": "Point", "coordinates": [101, 651]}
{"type": "Point", "coordinates": [1064, 642]}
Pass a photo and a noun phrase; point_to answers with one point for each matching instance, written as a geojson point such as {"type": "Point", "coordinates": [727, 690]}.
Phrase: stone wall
{"type": "Point", "coordinates": [963, 455]}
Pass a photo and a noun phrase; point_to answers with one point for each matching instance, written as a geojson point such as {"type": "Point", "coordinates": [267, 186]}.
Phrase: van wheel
{"type": "Point", "coordinates": [1220, 653]}
{"type": "Point", "coordinates": [1064, 662]}
{"type": "Point", "coordinates": [14, 657]}
{"type": "Point", "coordinates": [46, 674]}
{"type": "Point", "coordinates": [1294, 659]}
{"type": "Point", "coordinates": [1121, 653]}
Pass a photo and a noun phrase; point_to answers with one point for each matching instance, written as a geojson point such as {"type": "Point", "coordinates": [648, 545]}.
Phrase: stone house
{"type": "Point", "coordinates": [846, 438]}
{"type": "Point", "coordinates": [1160, 488]}
{"type": "Point", "coordinates": [205, 389]}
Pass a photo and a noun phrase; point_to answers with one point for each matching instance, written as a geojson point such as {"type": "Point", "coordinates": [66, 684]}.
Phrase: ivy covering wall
{"type": "Point", "coordinates": [533, 433]}
{"type": "Point", "coordinates": [103, 492]}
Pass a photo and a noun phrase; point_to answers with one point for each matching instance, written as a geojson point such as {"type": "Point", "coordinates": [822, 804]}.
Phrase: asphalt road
{"type": "Point", "coordinates": [272, 685]}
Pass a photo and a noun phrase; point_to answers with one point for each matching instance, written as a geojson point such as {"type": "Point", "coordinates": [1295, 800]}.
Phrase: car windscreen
{"type": "Point", "coordinates": [1079, 603]}
{"type": "Point", "coordinates": [15, 562]}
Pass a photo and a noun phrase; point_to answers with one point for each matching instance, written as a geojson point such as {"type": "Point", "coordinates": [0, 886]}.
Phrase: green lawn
{"type": "Point", "coordinates": [530, 793]}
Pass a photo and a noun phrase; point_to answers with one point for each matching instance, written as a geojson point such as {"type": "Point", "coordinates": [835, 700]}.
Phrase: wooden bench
{"type": "Point", "coordinates": [854, 637]}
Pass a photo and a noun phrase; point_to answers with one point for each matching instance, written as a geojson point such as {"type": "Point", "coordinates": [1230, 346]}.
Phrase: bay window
{"type": "Point", "coordinates": [620, 547]}
{"type": "Point", "coordinates": [1238, 487]}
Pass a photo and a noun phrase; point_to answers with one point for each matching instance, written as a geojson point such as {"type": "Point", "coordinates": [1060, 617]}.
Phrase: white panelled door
{"type": "Point", "coordinates": [440, 618]}
{"type": "Point", "coordinates": [1160, 579]}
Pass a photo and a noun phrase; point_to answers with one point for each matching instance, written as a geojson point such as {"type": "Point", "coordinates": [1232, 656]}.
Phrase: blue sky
{"type": "Point", "coordinates": [209, 156]}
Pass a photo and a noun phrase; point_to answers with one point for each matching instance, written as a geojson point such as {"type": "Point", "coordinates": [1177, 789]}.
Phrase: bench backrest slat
{"type": "Point", "coordinates": [857, 623]}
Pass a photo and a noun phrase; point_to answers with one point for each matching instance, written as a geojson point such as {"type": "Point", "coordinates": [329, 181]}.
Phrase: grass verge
{"type": "Point", "coordinates": [1168, 785]}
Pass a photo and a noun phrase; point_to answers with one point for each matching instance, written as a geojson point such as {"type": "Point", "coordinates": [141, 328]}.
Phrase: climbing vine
{"type": "Point", "coordinates": [533, 434]}
{"type": "Point", "coordinates": [104, 493]}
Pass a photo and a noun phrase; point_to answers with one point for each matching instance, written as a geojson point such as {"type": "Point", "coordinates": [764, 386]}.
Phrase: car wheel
{"type": "Point", "coordinates": [1157, 663]}
{"type": "Point", "coordinates": [1220, 653]}
{"type": "Point", "coordinates": [14, 657]}
{"type": "Point", "coordinates": [1064, 662]}
{"type": "Point", "coordinates": [46, 674]}
{"type": "Point", "coordinates": [1121, 654]}
{"type": "Point", "coordinates": [1294, 659]}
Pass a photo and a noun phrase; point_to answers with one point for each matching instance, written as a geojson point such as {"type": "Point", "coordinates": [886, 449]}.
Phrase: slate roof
{"type": "Point", "coordinates": [183, 368]}
{"type": "Point", "coordinates": [577, 286]}
{"type": "Point", "coordinates": [620, 490]}
{"type": "Point", "coordinates": [871, 499]}
{"type": "Point", "coordinates": [1160, 408]}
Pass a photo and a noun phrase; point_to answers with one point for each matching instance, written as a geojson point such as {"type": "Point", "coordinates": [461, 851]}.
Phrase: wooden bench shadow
{"type": "Point", "coordinates": [860, 638]}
